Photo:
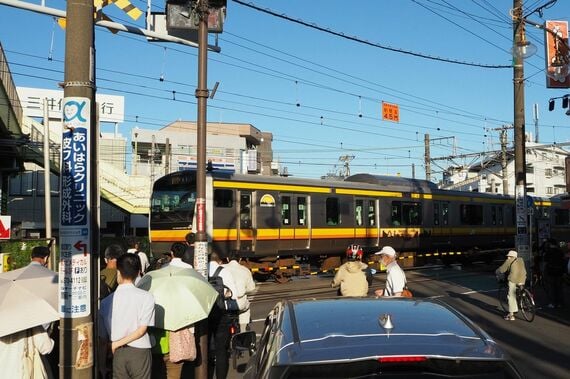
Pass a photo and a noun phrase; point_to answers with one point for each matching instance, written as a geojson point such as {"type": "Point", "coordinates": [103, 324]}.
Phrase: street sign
{"type": "Point", "coordinates": [5, 227]}
{"type": "Point", "coordinates": [390, 112]}
{"type": "Point", "coordinates": [74, 265]}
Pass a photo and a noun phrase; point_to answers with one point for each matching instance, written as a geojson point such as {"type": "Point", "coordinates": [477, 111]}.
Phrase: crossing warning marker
{"type": "Point", "coordinates": [5, 227]}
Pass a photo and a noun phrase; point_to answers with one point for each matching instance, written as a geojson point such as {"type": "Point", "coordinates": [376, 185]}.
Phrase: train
{"type": "Point", "coordinates": [261, 217]}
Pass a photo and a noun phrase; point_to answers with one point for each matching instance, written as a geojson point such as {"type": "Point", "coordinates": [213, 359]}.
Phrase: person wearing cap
{"type": "Point", "coordinates": [515, 270]}
{"type": "Point", "coordinates": [395, 276]}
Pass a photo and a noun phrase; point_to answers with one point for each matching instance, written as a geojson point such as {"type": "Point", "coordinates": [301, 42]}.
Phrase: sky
{"type": "Point", "coordinates": [318, 92]}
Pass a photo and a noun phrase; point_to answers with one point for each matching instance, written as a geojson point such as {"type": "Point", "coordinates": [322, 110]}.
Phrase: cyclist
{"type": "Point", "coordinates": [350, 276]}
{"type": "Point", "coordinates": [515, 271]}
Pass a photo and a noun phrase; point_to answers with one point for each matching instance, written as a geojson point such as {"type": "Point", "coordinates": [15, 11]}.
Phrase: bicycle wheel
{"type": "Point", "coordinates": [526, 304]}
{"type": "Point", "coordinates": [502, 297]}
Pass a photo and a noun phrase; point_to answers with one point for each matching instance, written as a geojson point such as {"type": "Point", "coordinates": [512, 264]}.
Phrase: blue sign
{"type": "Point", "coordinates": [74, 190]}
{"type": "Point", "coordinates": [529, 201]}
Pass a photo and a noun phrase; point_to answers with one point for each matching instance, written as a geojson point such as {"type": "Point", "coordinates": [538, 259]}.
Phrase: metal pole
{"type": "Point", "coordinates": [79, 252]}
{"type": "Point", "coordinates": [521, 241]}
{"type": "Point", "coordinates": [427, 157]}
{"type": "Point", "coordinates": [201, 244]}
{"type": "Point", "coordinates": [47, 184]}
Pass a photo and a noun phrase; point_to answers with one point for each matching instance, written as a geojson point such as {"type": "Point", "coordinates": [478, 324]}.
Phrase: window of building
{"type": "Point", "coordinates": [529, 169]}
{"type": "Point", "coordinates": [332, 211]}
{"type": "Point", "coordinates": [471, 214]}
{"type": "Point", "coordinates": [548, 172]}
{"type": "Point", "coordinates": [286, 210]}
{"type": "Point", "coordinates": [223, 198]}
{"type": "Point", "coordinates": [406, 213]}
{"type": "Point", "coordinates": [358, 212]}
{"type": "Point", "coordinates": [530, 189]}
{"type": "Point", "coordinates": [53, 182]}
{"type": "Point", "coordinates": [22, 184]}
{"type": "Point", "coordinates": [301, 211]}
{"type": "Point", "coordinates": [549, 190]}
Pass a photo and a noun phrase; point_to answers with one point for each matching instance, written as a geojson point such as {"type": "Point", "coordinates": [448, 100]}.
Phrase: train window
{"type": "Point", "coordinates": [493, 215]}
{"type": "Point", "coordinates": [245, 211]}
{"type": "Point", "coordinates": [436, 213]}
{"type": "Point", "coordinates": [223, 198]}
{"type": "Point", "coordinates": [445, 213]}
{"type": "Point", "coordinates": [500, 215]}
{"type": "Point", "coordinates": [332, 211]}
{"type": "Point", "coordinates": [286, 210]}
{"type": "Point", "coordinates": [561, 217]}
{"type": "Point", "coordinates": [358, 212]}
{"type": "Point", "coordinates": [301, 211]}
{"type": "Point", "coordinates": [406, 214]}
{"type": "Point", "coordinates": [371, 213]}
{"type": "Point", "coordinates": [471, 214]}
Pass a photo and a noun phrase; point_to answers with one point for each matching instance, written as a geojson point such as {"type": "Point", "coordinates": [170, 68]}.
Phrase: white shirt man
{"type": "Point", "coordinates": [145, 264]}
{"type": "Point", "coordinates": [244, 285]}
{"type": "Point", "coordinates": [395, 277]}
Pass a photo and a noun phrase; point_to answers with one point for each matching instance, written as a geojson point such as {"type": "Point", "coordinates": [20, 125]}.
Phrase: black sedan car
{"type": "Point", "coordinates": [372, 338]}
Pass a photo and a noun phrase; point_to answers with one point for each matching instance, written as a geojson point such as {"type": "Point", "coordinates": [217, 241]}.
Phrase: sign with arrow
{"type": "Point", "coordinates": [5, 227]}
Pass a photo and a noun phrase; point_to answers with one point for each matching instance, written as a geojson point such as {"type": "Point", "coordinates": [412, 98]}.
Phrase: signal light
{"type": "Point", "coordinates": [402, 359]}
{"type": "Point", "coordinates": [551, 105]}
{"type": "Point", "coordinates": [565, 102]}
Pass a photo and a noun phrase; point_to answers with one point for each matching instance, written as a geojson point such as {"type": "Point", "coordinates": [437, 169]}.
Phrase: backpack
{"type": "Point", "coordinates": [222, 303]}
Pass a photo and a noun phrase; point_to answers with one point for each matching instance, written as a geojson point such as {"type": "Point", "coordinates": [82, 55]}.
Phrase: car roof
{"type": "Point", "coordinates": [347, 329]}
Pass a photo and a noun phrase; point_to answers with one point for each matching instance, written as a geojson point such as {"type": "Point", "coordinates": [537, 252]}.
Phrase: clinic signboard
{"type": "Point", "coordinates": [74, 267]}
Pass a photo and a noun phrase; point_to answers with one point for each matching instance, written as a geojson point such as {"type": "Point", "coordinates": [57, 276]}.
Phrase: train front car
{"type": "Point", "coordinates": [171, 210]}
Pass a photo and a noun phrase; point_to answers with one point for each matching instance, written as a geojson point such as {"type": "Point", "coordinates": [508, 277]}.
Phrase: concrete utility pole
{"type": "Point", "coordinates": [521, 241]}
{"type": "Point", "coordinates": [427, 157]}
{"type": "Point", "coordinates": [201, 244]}
{"type": "Point", "coordinates": [79, 219]}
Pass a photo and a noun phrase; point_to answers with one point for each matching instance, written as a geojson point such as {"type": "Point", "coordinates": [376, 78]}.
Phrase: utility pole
{"type": "Point", "coordinates": [427, 158]}
{"type": "Point", "coordinates": [79, 218]}
{"type": "Point", "coordinates": [167, 157]}
{"type": "Point", "coordinates": [201, 244]}
{"type": "Point", "coordinates": [521, 241]}
{"type": "Point", "coordinates": [535, 117]}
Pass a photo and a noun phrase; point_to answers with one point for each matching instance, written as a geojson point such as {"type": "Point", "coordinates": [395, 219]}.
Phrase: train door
{"type": "Point", "coordinates": [294, 229]}
{"type": "Point", "coordinates": [245, 235]}
{"type": "Point", "coordinates": [372, 222]}
{"type": "Point", "coordinates": [441, 231]}
{"type": "Point", "coordinates": [360, 222]}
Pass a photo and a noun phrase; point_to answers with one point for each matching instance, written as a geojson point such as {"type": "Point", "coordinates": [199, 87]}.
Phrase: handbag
{"type": "Point", "coordinates": [182, 345]}
{"type": "Point", "coordinates": [406, 291]}
{"type": "Point", "coordinates": [33, 366]}
{"type": "Point", "coordinates": [231, 305]}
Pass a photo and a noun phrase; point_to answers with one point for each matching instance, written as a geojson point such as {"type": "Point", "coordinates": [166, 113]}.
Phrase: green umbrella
{"type": "Point", "coordinates": [182, 296]}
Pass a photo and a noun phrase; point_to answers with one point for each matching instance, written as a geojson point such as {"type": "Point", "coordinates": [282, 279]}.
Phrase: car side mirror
{"type": "Point", "coordinates": [244, 341]}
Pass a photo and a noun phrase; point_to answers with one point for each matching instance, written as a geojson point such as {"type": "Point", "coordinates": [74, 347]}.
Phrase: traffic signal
{"type": "Point", "coordinates": [551, 105]}
{"type": "Point", "coordinates": [565, 102]}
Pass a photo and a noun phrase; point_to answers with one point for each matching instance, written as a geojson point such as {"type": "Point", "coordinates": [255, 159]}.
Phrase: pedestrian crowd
{"type": "Point", "coordinates": [139, 337]}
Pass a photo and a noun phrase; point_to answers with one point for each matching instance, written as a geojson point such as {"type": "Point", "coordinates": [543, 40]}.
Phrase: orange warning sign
{"type": "Point", "coordinates": [390, 112]}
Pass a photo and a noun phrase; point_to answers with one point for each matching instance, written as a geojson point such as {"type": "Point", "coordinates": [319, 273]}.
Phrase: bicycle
{"type": "Point", "coordinates": [525, 300]}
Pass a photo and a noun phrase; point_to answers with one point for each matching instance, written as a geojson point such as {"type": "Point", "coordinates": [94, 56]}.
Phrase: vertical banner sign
{"type": "Point", "coordinates": [557, 75]}
{"type": "Point", "coordinates": [74, 267]}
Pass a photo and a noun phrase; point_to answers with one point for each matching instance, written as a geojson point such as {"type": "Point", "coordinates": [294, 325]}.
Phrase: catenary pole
{"type": "Point", "coordinates": [47, 186]}
{"type": "Point", "coordinates": [79, 224]}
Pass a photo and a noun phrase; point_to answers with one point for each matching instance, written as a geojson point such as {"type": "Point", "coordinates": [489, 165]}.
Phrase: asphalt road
{"type": "Point", "coordinates": [540, 349]}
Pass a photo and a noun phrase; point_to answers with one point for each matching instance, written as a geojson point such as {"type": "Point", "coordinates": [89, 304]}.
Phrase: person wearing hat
{"type": "Point", "coordinates": [515, 270]}
{"type": "Point", "coordinates": [351, 277]}
{"type": "Point", "coordinates": [395, 277]}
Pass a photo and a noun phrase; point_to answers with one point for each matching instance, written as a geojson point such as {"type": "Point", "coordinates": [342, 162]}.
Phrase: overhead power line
{"type": "Point", "coordinates": [365, 42]}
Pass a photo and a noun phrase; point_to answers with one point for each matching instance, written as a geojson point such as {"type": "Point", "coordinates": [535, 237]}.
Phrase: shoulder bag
{"type": "Point", "coordinates": [406, 291]}
{"type": "Point", "coordinates": [182, 345]}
